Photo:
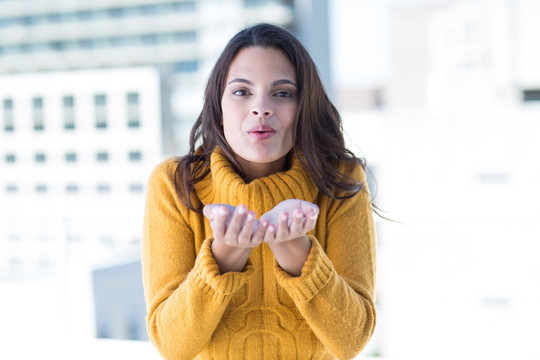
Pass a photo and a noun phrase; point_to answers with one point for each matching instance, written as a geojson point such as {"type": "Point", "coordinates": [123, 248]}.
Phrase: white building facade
{"type": "Point", "coordinates": [457, 153]}
{"type": "Point", "coordinates": [181, 39]}
{"type": "Point", "coordinates": [76, 151]}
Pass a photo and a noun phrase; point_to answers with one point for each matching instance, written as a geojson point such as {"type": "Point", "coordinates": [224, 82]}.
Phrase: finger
{"type": "Point", "coordinates": [311, 221]}
{"type": "Point", "coordinates": [207, 211]}
{"type": "Point", "coordinates": [270, 234]}
{"type": "Point", "coordinates": [211, 210]}
{"type": "Point", "coordinates": [259, 233]}
{"type": "Point", "coordinates": [235, 225]}
{"type": "Point", "coordinates": [219, 221]}
{"type": "Point", "coordinates": [244, 237]}
{"type": "Point", "coordinates": [282, 231]}
{"type": "Point", "coordinates": [231, 211]}
{"type": "Point", "coordinates": [297, 224]}
{"type": "Point", "coordinates": [308, 208]}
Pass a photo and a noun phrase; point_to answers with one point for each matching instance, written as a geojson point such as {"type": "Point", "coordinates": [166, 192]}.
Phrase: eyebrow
{"type": "Point", "coordinates": [275, 83]}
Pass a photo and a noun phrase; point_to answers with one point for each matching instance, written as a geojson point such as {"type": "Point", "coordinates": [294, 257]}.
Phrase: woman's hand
{"type": "Point", "coordinates": [235, 226]}
{"type": "Point", "coordinates": [286, 234]}
{"type": "Point", "coordinates": [236, 232]}
{"type": "Point", "coordinates": [290, 219]}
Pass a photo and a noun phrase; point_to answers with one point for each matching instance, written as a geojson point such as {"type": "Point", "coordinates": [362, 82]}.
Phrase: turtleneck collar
{"type": "Point", "coordinates": [224, 185]}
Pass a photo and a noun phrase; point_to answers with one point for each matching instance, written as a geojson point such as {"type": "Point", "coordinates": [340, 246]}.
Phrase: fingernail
{"type": "Point", "coordinates": [271, 228]}
{"type": "Point", "coordinates": [241, 210]}
{"type": "Point", "coordinates": [298, 214]}
{"type": "Point", "coordinates": [215, 210]}
{"type": "Point", "coordinates": [222, 210]}
{"type": "Point", "coordinates": [283, 217]}
{"type": "Point", "coordinates": [315, 209]}
{"type": "Point", "coordinates": [250, 216]}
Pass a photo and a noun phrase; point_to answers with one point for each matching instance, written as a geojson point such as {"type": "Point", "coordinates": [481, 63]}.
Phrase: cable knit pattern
{"type": "Point", "coordinates": [262, 312]}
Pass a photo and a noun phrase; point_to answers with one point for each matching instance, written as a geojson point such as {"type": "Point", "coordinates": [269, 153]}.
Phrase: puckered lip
{"type": "Point", "coordinates": [261, 128]}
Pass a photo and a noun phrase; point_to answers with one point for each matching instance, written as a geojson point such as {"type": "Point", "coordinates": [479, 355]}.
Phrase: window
{"type": "Point", "coordinates": [41, 188]}
{"type": "Point", "coordinates": [493, 178]}
{"type": "Point", "coordinates": [136, 188]}
{"type": "Point", "coordinates": [254, 3]}
{"type": "Point", "coordinates": [102, 156]}
{"type": "Point", "coordinates": [135, 156]}
{"type": "Point", "coordinates": [56, 45]}
{"type": "Point", "coordinates": [72, 188]}
{"type": "Point", "coordinates": [14, 238]}
{"type": "Point", "coordinates": [101, 43]}
{"type": "Point", "coordinates": [100, 108]}
{"type": "Point", "coordinates": [10, 158]}
{"type": "Point", "coordinates": [85, 15]}
{"type": "Point", "coordinates": [73, 238]}
{"type": "Point", "coordinates": [55, 18]}
{"type": "Point", "coordinates": [86, 44]}
{"type": "Point", "coordinates": [186, 66]}
{"type": "Point", "coordinates": [71, 157]}
{"type": "Point", "coordinates": [149, 39]}
{"type": "Point", "coordinates": [37, 107]}
{"type": "Point", "coordinates": [45, 263]}
{"type": "Point", "coordinates": [116, 12]}
{"type": "Point", "coordinates": [25, 48]}
{"type": "Point", "coordinates": [69, 112]}
{"type": "Point", "coordinates": [8, 115]}
{"type": "Point", "coordinates": [147, 10]}
{"type": "Point", "coordinates": [531, 95]}
{"type": "Point", "coordinates": [117, 41]}
{"type": "Point", "coordinates": [40, 157]}
{"type": "Point", "coordinates": [15, 263]}
{"type": "Point", "coordinates": [184, 6]}
{"type": "Point", "coordinates": [103, 188]}
{"type": "Point", "coordinates": [185, 36]}
{"type": "Point", "coordinates": [133, 110]}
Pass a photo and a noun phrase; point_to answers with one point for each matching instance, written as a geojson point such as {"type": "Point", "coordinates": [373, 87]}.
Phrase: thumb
{"type": "Point", "coordinates": [309, 209]}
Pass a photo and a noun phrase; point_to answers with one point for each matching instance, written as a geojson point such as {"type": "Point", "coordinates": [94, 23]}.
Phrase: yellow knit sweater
{"type": "Point", "coordinates": [261, 313]}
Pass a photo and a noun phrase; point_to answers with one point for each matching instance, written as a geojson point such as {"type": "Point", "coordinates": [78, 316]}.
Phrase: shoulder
{"type": "Point", "coordinates": [167, 167]}
{"type": "Point", "coordinates": [354, 169]}
{"type": "Point", "coordinates": [164, 173]}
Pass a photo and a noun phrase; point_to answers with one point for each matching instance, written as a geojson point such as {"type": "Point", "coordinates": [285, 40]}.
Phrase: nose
{"type": "Point", "coordinates": [261, 108]}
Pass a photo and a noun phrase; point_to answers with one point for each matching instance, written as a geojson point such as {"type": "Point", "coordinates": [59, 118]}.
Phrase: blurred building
{"type": "Point", "coordinates": [457, 140]}
{"type": "Point", "coordinates": [76, 151]}
{"type": "Point", "coordinates": [119, 302]}
{"type": "Point", "coordinates": [181, 39]}
{"type": "Point", "coordinates": [77, 148]}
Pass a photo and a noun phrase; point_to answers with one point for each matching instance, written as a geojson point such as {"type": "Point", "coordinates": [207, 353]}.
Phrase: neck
{"type": "Point", "coordinates": [254, 171]}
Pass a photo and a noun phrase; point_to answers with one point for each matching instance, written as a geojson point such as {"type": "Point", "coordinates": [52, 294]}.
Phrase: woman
{"type": "Point", "coordinates": [297, 283]}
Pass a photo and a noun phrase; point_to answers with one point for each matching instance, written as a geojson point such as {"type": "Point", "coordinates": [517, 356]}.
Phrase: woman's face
{"type": "Point", "coordinates": [259, 105]}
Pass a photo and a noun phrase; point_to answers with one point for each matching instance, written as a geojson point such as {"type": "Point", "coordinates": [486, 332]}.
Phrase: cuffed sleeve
{"type": "Point", "coordinates": [335, 292]}
{"type": "Point", "coordinates": [206, 274]}
{"type": "Point", "coordinates": [185, 293]}
{"type": "Point", "coordinates": [316, 273]}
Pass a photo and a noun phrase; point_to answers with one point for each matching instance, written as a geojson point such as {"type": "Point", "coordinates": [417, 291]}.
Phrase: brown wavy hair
{"type": "Point", "coordinates": [317, 127]}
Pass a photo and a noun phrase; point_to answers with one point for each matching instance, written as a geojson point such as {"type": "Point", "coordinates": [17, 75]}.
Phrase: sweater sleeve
{"type": "Point", "coordinates": [335, 292]}
{"type": "Point", "coordinates": [185, 293]}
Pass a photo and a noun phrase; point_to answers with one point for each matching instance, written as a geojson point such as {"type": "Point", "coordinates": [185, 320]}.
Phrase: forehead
{"type": "Point", "coordinates": [258, 62]}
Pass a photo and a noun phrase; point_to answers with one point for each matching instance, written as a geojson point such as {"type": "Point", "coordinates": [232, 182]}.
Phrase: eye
{"type": "Point", "coordinates": [284, 94]}
{"type": "Point", "coordinates": [240, 92]}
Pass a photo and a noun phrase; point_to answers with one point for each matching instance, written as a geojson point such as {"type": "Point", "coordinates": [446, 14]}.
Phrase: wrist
{"type": "Point", "coordinates": [229, 258]}
{"type": "Point", "coordinates": [292, 255]}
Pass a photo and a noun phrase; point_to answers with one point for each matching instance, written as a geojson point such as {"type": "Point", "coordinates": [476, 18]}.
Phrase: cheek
{"type": "Point", "coordinates": [290, 121]}
{"type": "Point", "coordinates": [229, 110]}
{"type": "Point", "coordinates": [226, 115]}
